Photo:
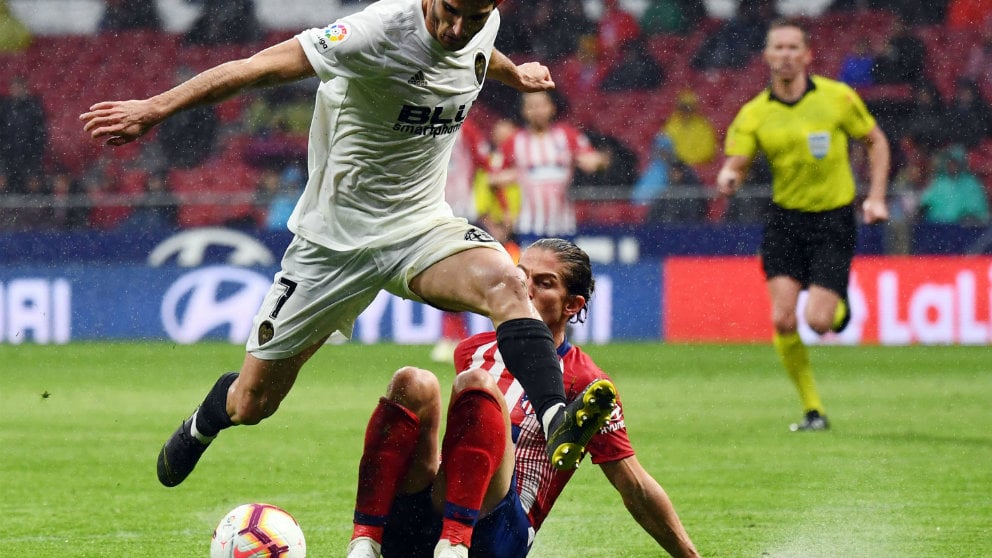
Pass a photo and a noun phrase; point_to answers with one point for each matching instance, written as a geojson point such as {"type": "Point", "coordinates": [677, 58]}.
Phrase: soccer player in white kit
{"type": "Point", "coordinates": [397, 79]}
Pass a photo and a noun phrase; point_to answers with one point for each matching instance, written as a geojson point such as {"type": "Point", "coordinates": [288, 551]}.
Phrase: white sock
{"type": "Point", "coordinates": [551, 413]}
{"type": "Point", "coordinates": [196, 433]}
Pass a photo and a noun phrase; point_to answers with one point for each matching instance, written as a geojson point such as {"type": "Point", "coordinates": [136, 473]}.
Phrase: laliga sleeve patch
{"type": "Point", "coordinates": [333, 35]}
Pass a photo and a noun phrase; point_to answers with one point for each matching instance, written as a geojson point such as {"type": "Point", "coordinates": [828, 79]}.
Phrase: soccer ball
{"type": "Point", "coordinates": [258, 531]}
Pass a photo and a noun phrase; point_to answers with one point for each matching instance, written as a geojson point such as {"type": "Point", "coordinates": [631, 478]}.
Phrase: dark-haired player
{"type": "Point", "coordinates": [397, 80]}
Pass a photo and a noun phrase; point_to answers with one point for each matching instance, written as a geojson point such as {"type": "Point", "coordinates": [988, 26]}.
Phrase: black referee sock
{"type": "Point", "coordinates": [529, 353]}
{"type": "Point", "coordinates": [212, 416]}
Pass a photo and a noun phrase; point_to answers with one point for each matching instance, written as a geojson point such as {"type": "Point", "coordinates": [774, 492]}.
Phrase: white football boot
{"type": "Point", "coordinates": [445, 550]}
{"type": "Point", "coordinates": [364, 547]}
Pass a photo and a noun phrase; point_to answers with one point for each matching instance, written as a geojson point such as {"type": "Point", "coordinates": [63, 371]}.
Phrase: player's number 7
{"type": "Point", "coordinates": [290, 288]}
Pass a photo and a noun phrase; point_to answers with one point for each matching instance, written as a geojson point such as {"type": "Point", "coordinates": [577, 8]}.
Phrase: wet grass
{"type": "Point", "coordinates": [904, 471]}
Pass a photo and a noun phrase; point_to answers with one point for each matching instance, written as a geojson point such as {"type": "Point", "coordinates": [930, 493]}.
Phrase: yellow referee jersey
{"type": "Point", "coordinates": [805, 142]}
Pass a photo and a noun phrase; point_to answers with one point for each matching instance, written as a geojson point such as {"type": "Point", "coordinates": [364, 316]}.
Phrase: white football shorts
{"type": "Point", "coordinates": [320, 291]}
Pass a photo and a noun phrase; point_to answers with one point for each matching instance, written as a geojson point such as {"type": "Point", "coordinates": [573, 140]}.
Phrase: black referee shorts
{"type": "Point", "coordinates": [813, 248]}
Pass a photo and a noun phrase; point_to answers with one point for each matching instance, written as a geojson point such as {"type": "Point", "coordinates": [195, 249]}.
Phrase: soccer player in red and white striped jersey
{"type": "Point", "coordinates": [542, 157]}
{"type": "Point", "coordinates": [493, 486]}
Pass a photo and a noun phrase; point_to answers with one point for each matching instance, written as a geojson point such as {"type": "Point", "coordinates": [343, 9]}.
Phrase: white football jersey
{"type": "Point", "coordinates": [389, 107]}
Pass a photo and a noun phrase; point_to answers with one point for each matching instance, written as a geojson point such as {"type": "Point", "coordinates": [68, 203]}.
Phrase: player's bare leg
{"type": "Point", "coordinates": [245, 397]}
{"type": "Point", "coordinates": [486, 282]}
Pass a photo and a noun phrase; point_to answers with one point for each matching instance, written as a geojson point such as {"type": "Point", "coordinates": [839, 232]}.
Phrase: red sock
{"type": "Point", "coordinates": [390, 438]}
{"type": "Point", "coordinates": [453, 326]}
{"type": "Point", "coordinates": [471, 451]}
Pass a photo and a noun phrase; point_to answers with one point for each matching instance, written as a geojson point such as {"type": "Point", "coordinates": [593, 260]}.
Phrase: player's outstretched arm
{"type": "Point", "coordinates": [649, 505]}
{"type": "Point", "coordinates": [529, 77]}
{"type": "Point", "coordinates": [120, 122]}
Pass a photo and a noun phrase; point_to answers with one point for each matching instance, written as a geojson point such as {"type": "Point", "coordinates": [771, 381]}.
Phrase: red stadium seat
{"type": "Point", "coordinates": [216, 193]}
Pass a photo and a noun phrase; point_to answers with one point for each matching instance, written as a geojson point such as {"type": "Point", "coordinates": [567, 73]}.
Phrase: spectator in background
{"type": "Point", "coordinates": [69, 211]}
{"type": "Point", "coordinates": [35, 211]}
{"type": "Point", "coordinates": [672, 16]}
{"type": "Point", "coordinates": [542, 157]}
{"type": "Point", "coordinates": [692, 133]}
{"type": "Point", "coordinates": [515, 34]}
{"type": "Point", "coordinates": [23, 133]}
{"type": "Point", "coordinates": [556, 26]}
{"type": "Point", "coordinates": [616, 28]}
{"type": "Point", "coordinates": [737, 39]}
{"type": "Point", "coordinates": [900, 56]}
{"type": "Point", "coordinates": [924, 124]}
{"type": "Point", "coordinates": [967, 14]}
{"type": "Point", "coordinates": [225, 22]}
{"type": "Point", "coordinates": [124, 15]}
{"type": "Point", "coordinates": [856, 67]}
{"type": "Point", "coordinates": [907, 185]}
{"type": "Point", "coordinates": [499, 204]}
{"type": "Point", "coordinates": [14, 35]}
{"type": "Point", "coordinates": [684, 202]}
{"type": "Point", "coordinates": [157, 208]}
{"type": "Point", "coordinates": [8, 214]}
{"type": "Point", "coordinates": [969, 117]}
{"type": "Point", "coordinates": [954, 195]}
{"type": "Point", "coordinates": [618, 171]}
{"type": "Point", "coordinates": [286, 109]}
{"type": "Point", "coordinates": [916, 12]}
{"type": "Point", "coordinates": [188, 138]}
{"type": "Point", "coordinates": [635, 70]}
{"type": "Point", "coordinates": [655, 177]}
{"type": "Point", "coordinates": [980, 57]}
{"type": "Point", "coordinates": [276, 195]}
{"type": "Point", "coordinates": [580, 75]}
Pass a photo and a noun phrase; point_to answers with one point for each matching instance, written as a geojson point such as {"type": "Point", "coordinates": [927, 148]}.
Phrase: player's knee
{"type": "Point", "coordinates": [820, 324]}
{"type": "Point", "coordinates": [785, 322]}
{"type": "Point", "coordinates": [506, 294]}
{"type": "Point", "coordinates": [414, 387]}
{"type": "Point", "coordinates": [475, 378]}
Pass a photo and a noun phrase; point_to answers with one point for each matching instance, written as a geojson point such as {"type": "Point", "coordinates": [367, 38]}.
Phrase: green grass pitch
{"type": "Point", "coordinates": [905, 472]}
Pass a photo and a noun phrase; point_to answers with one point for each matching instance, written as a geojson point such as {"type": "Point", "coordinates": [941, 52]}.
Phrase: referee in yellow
{"type": "Point", "coordinates": [802, 123]}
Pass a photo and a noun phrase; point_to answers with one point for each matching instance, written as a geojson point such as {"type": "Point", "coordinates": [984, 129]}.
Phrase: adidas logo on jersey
{"type": "Point", "coordinates": [418, 79]}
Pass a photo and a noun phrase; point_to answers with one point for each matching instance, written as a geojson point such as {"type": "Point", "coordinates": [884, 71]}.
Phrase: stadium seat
{"type": "Point", "coordinates": [216, 193]}
{"type": "Point", "coordinates": [609, 212]}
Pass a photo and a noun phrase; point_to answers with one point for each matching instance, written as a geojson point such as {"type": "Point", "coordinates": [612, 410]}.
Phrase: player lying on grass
{"type": "Point", "coordinates": [493, 487]}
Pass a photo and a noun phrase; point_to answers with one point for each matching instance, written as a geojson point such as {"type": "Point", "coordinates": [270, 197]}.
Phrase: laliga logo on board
{"type": "Point", "coordinates": [210, 299]}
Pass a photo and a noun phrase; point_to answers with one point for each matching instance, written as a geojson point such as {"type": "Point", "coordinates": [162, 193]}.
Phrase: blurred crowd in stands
{"type": "Point", "coordinates": [643, 101]}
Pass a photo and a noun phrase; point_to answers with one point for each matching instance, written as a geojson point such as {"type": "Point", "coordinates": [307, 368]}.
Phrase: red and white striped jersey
{"type": "Point", "coordinates": [538, 483]}
{"type": "Point", "coordinates": [545, 166]}
{"type": "Point", "coordinates": [470, 154]}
